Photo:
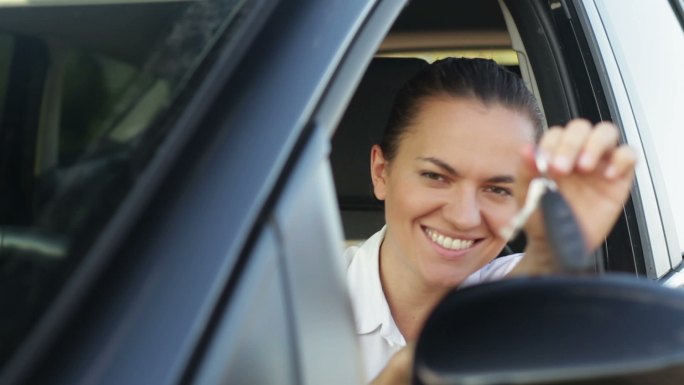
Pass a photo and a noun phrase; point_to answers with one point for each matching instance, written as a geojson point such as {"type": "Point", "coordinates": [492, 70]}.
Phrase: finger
{"type": "Point", "coordinates": [602, 140]}
{"type": "Point", "coordinates": [548, 143]}
{"type": "Point", "coordinates": [569, 146]}
{"type": "Point", "coordinates": [398, 369]}
{"type": "Point", "coordinates": [526, 172]}
{"type": "Point", "coordinates": [550, 140]}
{"type": "Point", "coordinates": [622, 163]}
{"type": "Point", "coordinates": [529, 165]}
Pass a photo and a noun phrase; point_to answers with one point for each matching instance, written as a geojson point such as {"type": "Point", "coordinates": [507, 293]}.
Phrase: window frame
{"type": "Point", "coordinates": [653, 216]}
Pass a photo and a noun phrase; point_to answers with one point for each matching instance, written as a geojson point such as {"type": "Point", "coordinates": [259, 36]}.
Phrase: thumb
{"type": "Point", "coordinates": [398, 369]}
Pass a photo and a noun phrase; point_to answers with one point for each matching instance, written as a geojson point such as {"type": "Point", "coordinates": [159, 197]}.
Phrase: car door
{"type": "Point", "coordinates": [218, 262]}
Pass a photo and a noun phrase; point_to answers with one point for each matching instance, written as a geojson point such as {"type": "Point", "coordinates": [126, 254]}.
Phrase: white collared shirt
{"type": "Point", "coordinates": [379, 336]}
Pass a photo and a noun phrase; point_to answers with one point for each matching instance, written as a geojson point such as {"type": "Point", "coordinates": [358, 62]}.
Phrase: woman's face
{"type": "Point", "coordinates": [449, 189]}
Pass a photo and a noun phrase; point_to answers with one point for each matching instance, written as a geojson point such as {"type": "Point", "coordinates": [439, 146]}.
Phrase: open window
{"type": "Point", "coordinates": [554, 64]}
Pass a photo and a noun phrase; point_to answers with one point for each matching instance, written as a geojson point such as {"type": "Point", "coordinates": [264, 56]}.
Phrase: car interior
{"type": "Point", "coordinates": [79, 113]}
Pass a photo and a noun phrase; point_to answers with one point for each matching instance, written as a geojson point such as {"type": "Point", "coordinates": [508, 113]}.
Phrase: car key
{"type": "Point", "coordinates": [564, 233]}
{"type": "Point", "coordinates": [562, 229]}
{"type": "Point", "coordinates": [537, 188]}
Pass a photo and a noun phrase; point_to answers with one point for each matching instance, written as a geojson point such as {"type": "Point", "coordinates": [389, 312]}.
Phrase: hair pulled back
{"type": "Point", "coordinates": [481, 79]}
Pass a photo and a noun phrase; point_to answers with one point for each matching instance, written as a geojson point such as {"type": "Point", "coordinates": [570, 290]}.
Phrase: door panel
{"type": "Point", "coordinates": [254, 343]}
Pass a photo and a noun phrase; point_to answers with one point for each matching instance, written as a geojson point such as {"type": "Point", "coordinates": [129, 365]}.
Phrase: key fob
{"type": "Point", "coordinates": [564, 233]}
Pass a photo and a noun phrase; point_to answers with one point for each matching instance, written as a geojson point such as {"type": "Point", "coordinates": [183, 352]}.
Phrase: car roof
{"type": "Point", "coordinates": [135, 24]}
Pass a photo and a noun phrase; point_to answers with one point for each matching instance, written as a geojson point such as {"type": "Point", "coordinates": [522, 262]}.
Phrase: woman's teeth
{"type": "Point", "coordinates": [447, 242]}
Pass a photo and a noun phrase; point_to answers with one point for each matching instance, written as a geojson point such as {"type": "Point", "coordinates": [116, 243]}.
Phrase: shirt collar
{"type": "Point", "coordinates": [368, 299]}
{"type": "Point", "coordinates": [371, 310]}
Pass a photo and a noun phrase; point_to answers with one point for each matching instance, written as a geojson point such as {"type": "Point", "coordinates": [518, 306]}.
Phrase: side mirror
{"type": "Point", "coordinates": [555, 330]}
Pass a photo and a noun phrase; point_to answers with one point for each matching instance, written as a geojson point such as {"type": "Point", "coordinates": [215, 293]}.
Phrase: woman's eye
{"type": "Point", "coordinates": [499, 190]}
{"type": "Point", "coordinates": [432, 175]}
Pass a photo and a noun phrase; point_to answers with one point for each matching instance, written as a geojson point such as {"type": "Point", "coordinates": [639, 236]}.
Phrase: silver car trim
{"type": "Point", "coordinates": [650, 225]}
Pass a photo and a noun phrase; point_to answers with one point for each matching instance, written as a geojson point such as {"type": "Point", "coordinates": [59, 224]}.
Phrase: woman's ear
{"type": "Point", "coordinates": [378, 172]}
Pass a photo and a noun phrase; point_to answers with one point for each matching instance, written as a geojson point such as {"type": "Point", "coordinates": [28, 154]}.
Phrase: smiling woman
{"type": "Point", "coordinates": [451, 181]}
{"type": "Point", "coordinates": [445, 169]}
{"type": "Point", "coordinates": [451, 170]}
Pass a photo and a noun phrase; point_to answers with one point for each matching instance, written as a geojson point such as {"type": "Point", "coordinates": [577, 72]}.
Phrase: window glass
{"type": "Point", "coordinates": [85, 97]}
{"type": "Point", "coordinates": [651, 59]}
{"type": "Point", "coordinates": [93, 85]}
{"type": "Point", "coordinates": [6, 43]}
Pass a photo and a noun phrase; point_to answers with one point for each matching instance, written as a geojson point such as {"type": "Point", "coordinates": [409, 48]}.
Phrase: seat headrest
{"type": "Point", "coordinates": [363, 125]}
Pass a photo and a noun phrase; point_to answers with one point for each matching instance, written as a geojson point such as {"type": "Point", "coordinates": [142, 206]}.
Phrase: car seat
{"type": "Point", "coordinates": [360, 128]}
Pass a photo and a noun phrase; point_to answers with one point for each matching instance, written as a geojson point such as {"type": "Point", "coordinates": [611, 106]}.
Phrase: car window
{"type": "Point", "coordinates": [87, 93]}
{"type": "Point", "coordinates": [422, 33]}
{"type": "Point", "coordinates": [655, 86]}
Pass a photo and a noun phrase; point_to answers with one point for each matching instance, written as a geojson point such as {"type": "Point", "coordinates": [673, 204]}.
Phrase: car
{"type": "Point", "coordinates": [178, 178]}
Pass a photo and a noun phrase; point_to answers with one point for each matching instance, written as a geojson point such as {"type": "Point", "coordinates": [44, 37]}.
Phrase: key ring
{"type": "Point", "coordinates": [541, 160]}
{"type": "Point", "coordinates": [537, 188]}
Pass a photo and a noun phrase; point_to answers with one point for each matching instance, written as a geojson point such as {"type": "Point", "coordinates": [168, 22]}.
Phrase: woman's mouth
{"type": "Point", "coordinates": [448, 242]}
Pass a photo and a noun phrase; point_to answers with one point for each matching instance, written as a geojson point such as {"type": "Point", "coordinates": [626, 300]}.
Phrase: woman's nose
{"type": "Point", "coordinates": [463, 210]}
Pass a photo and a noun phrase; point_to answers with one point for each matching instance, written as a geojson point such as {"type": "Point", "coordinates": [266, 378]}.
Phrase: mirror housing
{"type": "Point", "coordinates": [565, 330]}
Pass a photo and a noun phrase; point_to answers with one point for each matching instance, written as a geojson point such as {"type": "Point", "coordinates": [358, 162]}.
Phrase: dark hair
{"type": "Point", "coordinates": [482, 79]}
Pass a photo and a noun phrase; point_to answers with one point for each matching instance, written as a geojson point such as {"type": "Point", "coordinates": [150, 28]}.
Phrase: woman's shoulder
{"type": "Point", "coordinates": [495, 270]}
{"type": "Point", "coordinates": [350, 251]}
{"type": "Point", "coordinates": [500, 266]}
{"type": "Point", "coordinates": [357, 248]}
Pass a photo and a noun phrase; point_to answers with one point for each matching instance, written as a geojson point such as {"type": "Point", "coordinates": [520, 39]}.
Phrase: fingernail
{"type": "Point", "coordinates": [541, 157]}
{"type": "Point", "coordinates": [586, 161]}
{"type": "Point", "coordinates": [610, 173]}
{"type": "Point", "coordinates": [562, 163]}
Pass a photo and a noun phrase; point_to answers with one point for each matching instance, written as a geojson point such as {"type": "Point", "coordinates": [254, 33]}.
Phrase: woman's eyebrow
{"type": "Point", "coordinates": [501, 179]}
{"type": "Point", "coordinates": [439, 163]}
{"type": "Point", "coordinates": [452, 171]}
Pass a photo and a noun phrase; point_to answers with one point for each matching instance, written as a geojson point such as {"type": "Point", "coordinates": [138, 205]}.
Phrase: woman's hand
{"type": "Point", "coordinates": [398, 369]}
{"type": "Point", "coordinates": [594, 175]}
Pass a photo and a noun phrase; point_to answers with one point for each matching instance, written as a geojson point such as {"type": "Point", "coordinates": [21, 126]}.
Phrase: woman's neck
{"type": "Point", "coordinates": [409, 298]}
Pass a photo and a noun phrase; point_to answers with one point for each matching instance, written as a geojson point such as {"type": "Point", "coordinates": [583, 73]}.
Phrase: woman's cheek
{"type": "Point", "coordinates": [499, 214]}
